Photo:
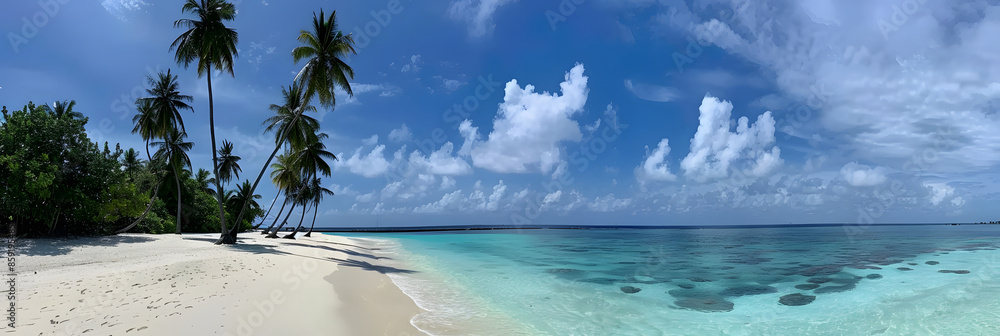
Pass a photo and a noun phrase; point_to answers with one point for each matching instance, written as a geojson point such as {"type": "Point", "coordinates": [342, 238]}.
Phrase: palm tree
{"type": "Point", "coordinates": [268, 213]}
{"type": "Point", "coordinates": [146, 124]}
{"type": "Point", "coordinates": [285, 177]}
{"type": "Point", "coordinates": [173, 150]}
{"type": "Point", "coordinates": [204, 180]}
{"type": "Point", "coordinates": [310, 160]}
{"type": "Point", "coordinates": [295, 195]}
{"type": "Point", "coordinates": [316, 190]}
{"type": "Point", "coordinates": [240, 195]}
{"type": "Point", "coordinates": [229, 166]}
{"type": "Point", "coordinates": [291, 124]}
{"type": "Point", "coordinates": [63, 109]}
{"type": "Point", "coordinates": [132, 162]}
{"type": "Point", "coordinates": [159, 114]}
{"type": "Point", "coordinates": [326, 47]}
{"type": "Point", "coordinates": [209, 41]}
{"type": "Point", "coordinates": [167, 101]}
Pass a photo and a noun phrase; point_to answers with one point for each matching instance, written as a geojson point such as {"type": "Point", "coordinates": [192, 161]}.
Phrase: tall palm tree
{"type": "Point", "coordinates": [229, 166]}
{"type": "Point", "coordinates": [290, 123]}
{"type": "Point", "coordinates": [204, 180]}
{"type": "Point", "coordinates": [325, 47]}
{"type": "Point", "coordinates": [173, 150]}
{"type": "Point", "coordinates": [132, 162]}
{"type": "Point", "coordinates": [213, 45]}
{"type": "Point", "coordinates": [285, 177]}
{"type": "Point", "coordinates": [316, 190]}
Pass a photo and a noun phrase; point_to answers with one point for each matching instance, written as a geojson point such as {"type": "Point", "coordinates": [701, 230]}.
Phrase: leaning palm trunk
{"type": "Point", "coordinates": [266, 164]}
{"type": "Point", "coordinates": [275, 233]}
{"type": "Point", "coordinates": [152, 200]}
{"type": "Point", "coordinates": [292, 235]}
{"type": "Point", "coordinates": [309, 234]}
{"type": "Point", "coordinates": [262, 220]}
{"type": "Point", "coordinates": [304, 208]}
{"type": "Point", "coordinates": [275, 222]}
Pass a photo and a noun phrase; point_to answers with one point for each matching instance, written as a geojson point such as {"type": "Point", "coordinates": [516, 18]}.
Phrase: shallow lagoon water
{"type": "Point", "coordinates": [712, 281]}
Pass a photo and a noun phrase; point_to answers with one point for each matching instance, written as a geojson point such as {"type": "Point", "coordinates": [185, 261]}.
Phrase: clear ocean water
{"type": "Point", "coordinates": [876, 280]}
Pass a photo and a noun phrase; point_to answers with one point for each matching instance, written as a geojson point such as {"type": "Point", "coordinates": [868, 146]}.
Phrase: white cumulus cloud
{"type": "Point", "coordinates": [716, 152]}
{"type": "Point", "coordinates": [401, 134]}
{"type": "Point", "coordinates": [368, 165]}
{"type": "Point", "coordinates": [656, 167]}
{"type": "Point", "coordinates": [529, 127]}
{"type": "Point", "coordinates": [859, 175]}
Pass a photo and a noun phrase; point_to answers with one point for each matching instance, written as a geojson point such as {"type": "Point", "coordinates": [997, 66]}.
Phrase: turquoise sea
{"type": "Point", "coordinates": [837, 280]}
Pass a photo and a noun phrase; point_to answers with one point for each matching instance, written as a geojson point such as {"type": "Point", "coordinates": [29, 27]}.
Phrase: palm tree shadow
{"type": "Point", "coordinates": [354, 246]}
{"type": "Point", "coordinates": [371, 267]}
{"type": "Point", "coordinates": [344, 251]}
{"type": "Point", "coordinates": [60, 246]}
{"type": "Point", "coordinates": [213, 240]}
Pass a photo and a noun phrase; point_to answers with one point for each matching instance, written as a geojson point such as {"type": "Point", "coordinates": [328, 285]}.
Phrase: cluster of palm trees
{"type": "Point", "coordinates": [211, 45]}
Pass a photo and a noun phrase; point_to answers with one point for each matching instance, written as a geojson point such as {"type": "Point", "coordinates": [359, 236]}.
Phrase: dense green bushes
{"type": "Point", "coordinates": [56, 181]}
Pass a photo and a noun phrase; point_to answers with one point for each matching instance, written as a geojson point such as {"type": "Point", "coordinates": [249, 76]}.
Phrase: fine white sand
{"type": "Point", "coordinates": [136, 284]}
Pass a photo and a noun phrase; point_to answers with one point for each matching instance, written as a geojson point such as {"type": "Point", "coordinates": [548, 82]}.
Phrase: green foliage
{"type": "Point", "coordinates": [56, 181]}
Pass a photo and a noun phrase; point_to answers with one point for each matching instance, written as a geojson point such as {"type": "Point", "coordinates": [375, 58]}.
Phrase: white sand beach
{"type": "Point", "coordinates": [136, 284]}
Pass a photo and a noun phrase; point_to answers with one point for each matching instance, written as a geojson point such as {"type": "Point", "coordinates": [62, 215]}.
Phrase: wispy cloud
{"type": "Point", "coordinates": [477, 14]}
{"type": "Point", "coordinates": [121, 9]}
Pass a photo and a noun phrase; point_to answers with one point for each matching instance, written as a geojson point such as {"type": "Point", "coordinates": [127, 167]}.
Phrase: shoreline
{"type": "Point", "coordinates": [167, 284]}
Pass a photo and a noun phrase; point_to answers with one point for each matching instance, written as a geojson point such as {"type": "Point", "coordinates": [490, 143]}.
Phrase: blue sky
{"type": "Point", "coordinates": [578, 111]}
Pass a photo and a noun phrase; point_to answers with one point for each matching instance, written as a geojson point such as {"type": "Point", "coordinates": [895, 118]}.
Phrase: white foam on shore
{"type": "Point", "coordinates": [450, 308]}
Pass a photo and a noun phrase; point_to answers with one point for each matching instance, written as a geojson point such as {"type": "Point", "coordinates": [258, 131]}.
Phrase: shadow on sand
{"type": "Point", "coordinates": [60, 246]}
{"type": "Point", "coordinates": [320, 252]}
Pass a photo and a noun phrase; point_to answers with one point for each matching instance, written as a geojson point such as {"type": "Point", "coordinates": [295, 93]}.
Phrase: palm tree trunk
{"type": "Point", "coordinates": [266, 164]}
{"type": "Point", "coordinates": [275, 222]}
{"type": "Point", "coordinates": [268, 211]}
{"type": "Point", "coordinates": [148, 207]}
{"type": "Point", "coordinates": [292, 235]}
{"type": "Point", "coordinates": [149, 158]}
{"type": "Point", "coordinates": [55, 220]}
{"type": "Point", "coordinates": [226, 237]}
{"type": "Point", "coordinates": [177, 177]}
{"type": "Point", "coordinates": [315, 211]}
{"type": "Point", "coordinates": [275, 233]}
